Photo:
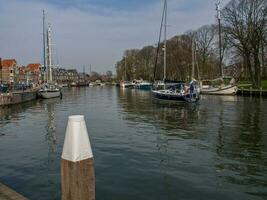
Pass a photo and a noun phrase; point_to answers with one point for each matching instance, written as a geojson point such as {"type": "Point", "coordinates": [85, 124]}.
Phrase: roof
{"type": "Point", "coordinates": [8, 63]}
{"type": "Point", "coordinates": [33, 66]}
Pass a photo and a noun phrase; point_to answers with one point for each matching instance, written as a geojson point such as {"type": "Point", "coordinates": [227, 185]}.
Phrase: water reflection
{"type": "Point", "coordinates": [13, 112]}
{"type": "Point", "coordinates": [212, 150]}
{"type": "Point", "coordinates": [52, 178]}
{"type": "Point", "coordinates": [234, 126]}
{"type": "Point", "coordinates": [241, 146]}
{"type": "Point", "coordinates": [51, 136]}
{"type": "Point", "coordinates": [140, 107]}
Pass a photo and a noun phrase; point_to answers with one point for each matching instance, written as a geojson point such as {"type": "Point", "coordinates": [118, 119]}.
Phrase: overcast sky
{"type": "Point", "coordinates": [93, 32]}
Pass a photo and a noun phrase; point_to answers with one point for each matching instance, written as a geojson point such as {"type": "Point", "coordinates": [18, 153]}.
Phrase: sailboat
{"type": "Point", "coordinates": [218, 86]}
{"type": "Point", "coordinates": [173, 90]}
{"type": "Point", "coordinates": [123, 82]}
{"type": "Point", "coordinates": [49, 89]}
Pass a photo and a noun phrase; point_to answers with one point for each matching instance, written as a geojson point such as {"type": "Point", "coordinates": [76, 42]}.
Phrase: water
{"type": "Point", "coordinates": [143, 149]}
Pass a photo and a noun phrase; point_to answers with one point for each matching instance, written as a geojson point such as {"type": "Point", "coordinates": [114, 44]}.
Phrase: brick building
{"type": "Point", "coordinates": [9, 71]}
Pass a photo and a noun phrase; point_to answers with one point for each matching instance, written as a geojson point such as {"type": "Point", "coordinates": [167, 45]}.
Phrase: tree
{"type": "Point", "coordinates": [204, 37]}
{"type": "Point", "coordinates": [245, 26]}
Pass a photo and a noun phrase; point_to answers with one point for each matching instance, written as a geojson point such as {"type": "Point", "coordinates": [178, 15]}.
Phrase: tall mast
{"type": "Point", "coordinates": [44, 48]}
{"type": "Point", "coordinates": [220, 37]}
{"type": "Point", "coordinates": [165, 41]}
{"type": "Point", "coordinates": [193, 57]}
{"type": "Point", "coordinates": [125, 64]}
{"type": "Point", "coordinates": [49, 49]}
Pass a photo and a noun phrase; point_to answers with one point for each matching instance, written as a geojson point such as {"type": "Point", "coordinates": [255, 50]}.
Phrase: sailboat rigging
{"type": "Point", "coordinates": [49, 89]}
{"type": "Point", "coordinates": [218, 86]}
{"type": "Point", "coordinates": [175, 90]}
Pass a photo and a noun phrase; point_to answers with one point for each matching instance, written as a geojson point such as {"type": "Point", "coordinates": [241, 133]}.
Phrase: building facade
{"type": "Point", "coordinates": [9, 71]}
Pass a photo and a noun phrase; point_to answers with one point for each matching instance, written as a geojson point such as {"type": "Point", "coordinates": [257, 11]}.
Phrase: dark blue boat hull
{"type": "Point", "coordinates": [185, 98]}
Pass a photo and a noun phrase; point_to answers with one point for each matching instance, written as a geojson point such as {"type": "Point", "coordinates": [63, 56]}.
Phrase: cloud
{"type": "Point", "coordinates": [94, 34]}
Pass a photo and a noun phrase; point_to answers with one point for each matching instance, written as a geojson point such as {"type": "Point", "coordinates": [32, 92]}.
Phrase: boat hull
{"type": "Point", "coordinates": [144, 87]}
{"type": "Point", "coordinates": [49, 94]}
{"type": "Point", "coordinates": [126, 85]}
{"type": "Point", "coordinates": [227, 90]}
{"type": "Point", "coordinates": [160, 94]}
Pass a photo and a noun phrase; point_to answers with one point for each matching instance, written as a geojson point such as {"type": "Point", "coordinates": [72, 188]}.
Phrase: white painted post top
{"type": "Point", "coordinates": [77, 145]}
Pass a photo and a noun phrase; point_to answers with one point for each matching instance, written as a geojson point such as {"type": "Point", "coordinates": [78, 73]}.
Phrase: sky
{"type": "Point", "coordinates": [93, 32]}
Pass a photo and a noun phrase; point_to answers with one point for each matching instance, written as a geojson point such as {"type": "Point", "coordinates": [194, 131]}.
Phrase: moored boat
{"type": "Point", "coordinates": [213, 87]}
{"type": "Point", "coordinates": [142, 85]}
{"type": "Point", "coordinates": [176, 91]}
{"type": "Point", "coordinates": [126, 84]}
{"type": "Point", "coordinates": [49, 89]}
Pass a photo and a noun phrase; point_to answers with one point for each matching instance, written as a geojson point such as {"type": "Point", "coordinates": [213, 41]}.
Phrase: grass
{"type": "Point", "coordinates": [247, 84]}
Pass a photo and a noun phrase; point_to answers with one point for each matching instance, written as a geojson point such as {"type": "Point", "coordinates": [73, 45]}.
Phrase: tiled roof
{"type": "Point", "coordinates": [33, 66]}
{"type": "Point", "coordinates": [8, 63]}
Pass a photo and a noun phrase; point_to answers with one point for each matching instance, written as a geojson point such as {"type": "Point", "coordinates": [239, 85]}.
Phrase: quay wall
{"type": "Point", "coordinates": [18, 97]}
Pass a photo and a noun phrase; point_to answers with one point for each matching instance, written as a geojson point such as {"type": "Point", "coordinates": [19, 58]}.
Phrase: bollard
{"type": "Point", "coordinates": [77, 167]}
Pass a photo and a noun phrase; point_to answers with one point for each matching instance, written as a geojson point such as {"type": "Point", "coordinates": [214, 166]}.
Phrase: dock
{"type": "Point", "coordinates": [16, 97]}
{"type": "Point", "coordinates": [252, 92]}
{"type": "Point", "coordinates": [7, 193]}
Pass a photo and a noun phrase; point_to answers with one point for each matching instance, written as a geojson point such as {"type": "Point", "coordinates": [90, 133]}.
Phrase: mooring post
{"type": "Point", "coordinates": [77, 167]}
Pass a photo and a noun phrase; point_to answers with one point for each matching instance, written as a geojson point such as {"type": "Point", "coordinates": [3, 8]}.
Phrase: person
{"type": "Point", "coordinates": [191, 90]}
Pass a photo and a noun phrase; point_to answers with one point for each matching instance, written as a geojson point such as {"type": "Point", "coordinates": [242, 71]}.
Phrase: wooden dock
{"type": "Point", "coordinates": [8, 194]}
{"type": "Point", "coordinates": [252, 92]}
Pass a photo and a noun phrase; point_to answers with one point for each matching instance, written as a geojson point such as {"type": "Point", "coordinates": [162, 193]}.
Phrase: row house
{"type": "Point", "coordinates": [9, 71]}
{"type": "Point", "coordinates": [60, 75]}
{"type": "Point", "coordinates": [73, 75]}
{"type": "Point", "coordinates": [31, 74]}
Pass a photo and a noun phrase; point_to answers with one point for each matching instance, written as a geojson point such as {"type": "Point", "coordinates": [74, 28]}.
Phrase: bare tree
{"type": "Point", "coordinates": [245, 26]}
{"type": "Point", "coordinates": [204, 41]}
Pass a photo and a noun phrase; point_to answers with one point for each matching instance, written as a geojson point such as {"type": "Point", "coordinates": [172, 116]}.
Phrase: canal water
{"type": "Point", "coordinates": [143, 148]}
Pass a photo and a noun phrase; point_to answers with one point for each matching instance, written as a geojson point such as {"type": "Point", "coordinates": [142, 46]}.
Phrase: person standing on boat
{"type": "Point", "coordinates": [191, 89]}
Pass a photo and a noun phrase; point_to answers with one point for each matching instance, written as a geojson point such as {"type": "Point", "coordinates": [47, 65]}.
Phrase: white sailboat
{"type": "Point", "coordinates": [174, 90]}
{"type": "Point", "coordinates": [48, 89]}
{"type": "Point", "coordinates": [212, 86]}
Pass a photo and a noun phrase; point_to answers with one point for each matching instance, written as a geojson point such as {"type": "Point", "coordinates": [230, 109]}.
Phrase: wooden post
{"type": "Point", "coordinates": [77, 167]}
{"type": "Point", "coordinates": [261, 91]}
{"type": "Point", "coordinates": [250, 91]}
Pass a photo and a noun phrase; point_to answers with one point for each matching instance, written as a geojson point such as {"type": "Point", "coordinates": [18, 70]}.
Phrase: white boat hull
{"type": "Point", "coordinates": [49, 94]}
{"type": "Point", "coordinates": [125, 85]}
{"type": "Point", "coordinates": [226, 90]}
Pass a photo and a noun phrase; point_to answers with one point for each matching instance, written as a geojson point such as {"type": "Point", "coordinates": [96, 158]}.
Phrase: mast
{"type": "Point", "coordinates": [160, 32]}
{"type": "Point", "coordinates": [125, 64]}
{"type": "Point", "coordinates": [220, 37]}
{"type": "Point", "coordinates": [165, 41]}
{"type": "Point", "coordinates": [193, 57]}
{"type": "Point", "coordinates": [49, 51]}
{"type": "Point", "coordinates": [44, 49]}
